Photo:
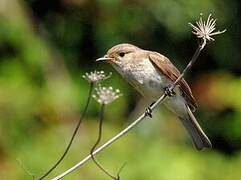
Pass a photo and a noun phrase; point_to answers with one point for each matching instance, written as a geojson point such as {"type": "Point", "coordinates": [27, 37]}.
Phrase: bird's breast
{"type": "Point", "coordinates": [145, 78]}
{"type": "Point", "coordinates": [150, 82]}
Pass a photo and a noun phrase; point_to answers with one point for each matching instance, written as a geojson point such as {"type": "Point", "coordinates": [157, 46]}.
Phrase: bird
{"type": "Point", "coordinates": [151, 73]}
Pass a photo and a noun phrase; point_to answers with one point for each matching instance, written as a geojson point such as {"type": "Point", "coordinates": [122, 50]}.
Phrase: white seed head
{"type": "Point", "coordinates": [96, 76]}
{"type": "Point", "coordinates": [105, 95]}
{"type": "Point", "coordinates": [205, 29]}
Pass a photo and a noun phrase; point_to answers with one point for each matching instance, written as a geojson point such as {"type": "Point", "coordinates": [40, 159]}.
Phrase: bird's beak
{"type": "Point", "coordinates": [105, 58]}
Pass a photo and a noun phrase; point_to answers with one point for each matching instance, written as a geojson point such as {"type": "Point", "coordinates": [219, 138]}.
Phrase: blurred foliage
{"type": "Point", "coordinates": [45, 47]}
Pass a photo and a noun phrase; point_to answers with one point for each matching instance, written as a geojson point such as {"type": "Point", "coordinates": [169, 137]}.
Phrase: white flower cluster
{"type": "Point", "coordinates": [204, 29]}
{"type": "Point", "coordinates": [96, 76]}
{"type": "Point", "coordinates": [106, 95]}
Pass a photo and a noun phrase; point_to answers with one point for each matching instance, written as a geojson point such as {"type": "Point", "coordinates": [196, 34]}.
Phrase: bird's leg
{"type": "Point", "coordinates": [148, 110]}
{"type": "Point", "coordinates": [169, 91]}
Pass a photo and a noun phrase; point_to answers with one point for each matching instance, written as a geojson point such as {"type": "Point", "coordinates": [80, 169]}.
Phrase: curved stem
{"type": "Point", "coordinates": [74, 134]}
{"type": "Point", "coordinates": [112, 140]}
{"type": "Point", "coordinates": [25, 169]}
{"type": "Point", "coordinates": [191, 62]}
{"type": "Point", "coordinates": [98, 141]}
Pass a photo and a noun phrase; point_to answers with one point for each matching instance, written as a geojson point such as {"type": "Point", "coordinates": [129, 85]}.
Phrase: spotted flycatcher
{"type": "Point", "coordinates": [150, 73]}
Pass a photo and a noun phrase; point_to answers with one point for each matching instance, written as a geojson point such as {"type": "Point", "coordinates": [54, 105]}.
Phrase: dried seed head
{"type": "Point", "coordinates": [205, 29]}
{"type": "Point", "coordinates": [106, 95]}
{"type": "Point", "coordinates": [96, 76]}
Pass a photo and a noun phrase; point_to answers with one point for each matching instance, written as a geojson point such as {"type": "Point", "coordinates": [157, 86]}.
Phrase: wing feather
{"type": "Point", "coordinates": [170, 71]}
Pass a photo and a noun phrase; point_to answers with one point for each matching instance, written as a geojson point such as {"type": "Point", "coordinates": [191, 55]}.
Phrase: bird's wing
{"type": "Point", "coordinates": [165, 66]}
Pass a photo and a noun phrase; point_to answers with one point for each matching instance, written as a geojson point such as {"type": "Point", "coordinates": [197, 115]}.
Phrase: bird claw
{"type": "Point", "coordinates": [169, 92]}
{"type": "Point", "coordinates": [148, 112]}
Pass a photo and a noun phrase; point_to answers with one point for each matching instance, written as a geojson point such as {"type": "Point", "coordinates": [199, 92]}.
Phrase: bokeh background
{"type": "Point", "coordinates": [47, 45]}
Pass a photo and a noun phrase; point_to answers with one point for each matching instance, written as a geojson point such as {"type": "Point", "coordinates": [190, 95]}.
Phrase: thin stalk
{"type": "Point", "coordinates": [190, 64]}
{"type": "Point", "coordinates": [139, 119]}
{"type": "Point", "coordinates": [25, 169]}
{"type": "Point", "coordinates": [74, 133]}
{"type": "Point", "coordinates": [112, 140]}
{"type": "Point", "coordinates": [98, 141]}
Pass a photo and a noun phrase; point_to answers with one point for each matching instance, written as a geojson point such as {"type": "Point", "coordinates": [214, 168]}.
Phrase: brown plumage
{"type": "Point", "coordinates": [171, 72]}
{"type": "Point", "coordinates": [150, 73]}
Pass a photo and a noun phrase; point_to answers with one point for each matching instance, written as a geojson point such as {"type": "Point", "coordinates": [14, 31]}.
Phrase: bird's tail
{"type": "Point", "coordinates": [198, 136]}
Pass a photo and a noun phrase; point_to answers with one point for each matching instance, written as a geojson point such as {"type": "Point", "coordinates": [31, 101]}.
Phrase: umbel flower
{"type": "Point", "coordinates": [205, 29]}
{"type": "Point", "coordinates": [96, 76]}
{"type": "Point", "coordinates": [105, 95]}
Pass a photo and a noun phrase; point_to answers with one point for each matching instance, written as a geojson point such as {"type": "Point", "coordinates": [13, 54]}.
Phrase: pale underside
{"type": "Point", "coordinates": [147, 80]}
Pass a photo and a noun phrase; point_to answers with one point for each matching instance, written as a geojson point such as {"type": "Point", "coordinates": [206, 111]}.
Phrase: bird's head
{"type": "Point", "coordinates": [119, 54]}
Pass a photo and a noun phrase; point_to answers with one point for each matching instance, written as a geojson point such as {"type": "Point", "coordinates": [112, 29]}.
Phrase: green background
{"type": "Point", "coordinates": [47, 45]}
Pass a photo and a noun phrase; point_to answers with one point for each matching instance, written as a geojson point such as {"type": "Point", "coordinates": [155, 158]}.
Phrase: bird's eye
{"type": "Point", "coordinates": [122, 54]}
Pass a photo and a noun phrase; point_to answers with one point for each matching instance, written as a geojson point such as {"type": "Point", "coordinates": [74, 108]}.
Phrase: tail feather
{"type": "Point", "coordinates": [198, 136]}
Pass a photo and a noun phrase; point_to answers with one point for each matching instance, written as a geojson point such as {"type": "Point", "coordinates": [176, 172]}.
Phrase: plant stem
{"type": "Point", "coordinates": [98, 141]}
{"type": "Point", "coordinates": [74, 133]}
{"type": "Point", "coordinates": [112, 140]}
{"type": "Point", "coordinates": [190, 64]}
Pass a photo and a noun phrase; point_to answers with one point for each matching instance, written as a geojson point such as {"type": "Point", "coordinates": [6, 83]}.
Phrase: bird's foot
{"type": "Point", "coordinates": [148, 112]}
{"type": "Point", "coordinates": [169, 91]}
